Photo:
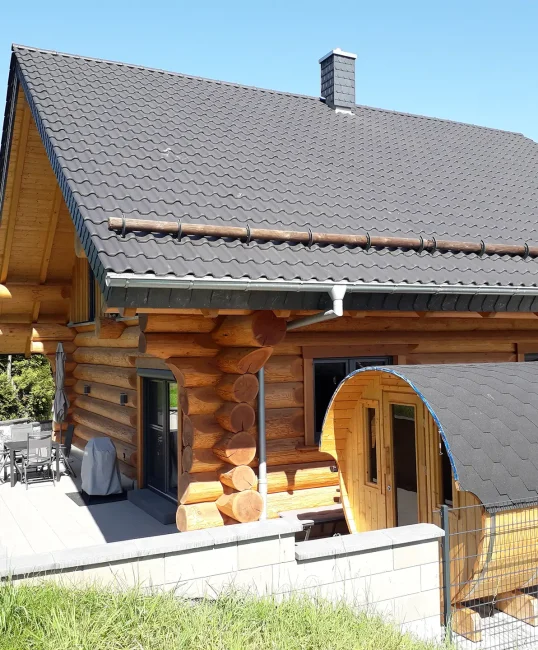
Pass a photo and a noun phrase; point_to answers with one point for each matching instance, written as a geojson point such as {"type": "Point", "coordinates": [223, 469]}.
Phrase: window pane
{"type": "Point", "coordinates": [327, 376]}
{"type": "Point", "coordinates": [371, 443]}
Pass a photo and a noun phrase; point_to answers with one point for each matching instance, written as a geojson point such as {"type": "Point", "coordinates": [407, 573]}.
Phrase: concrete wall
{"type": "Point", "coordinates": [393, 572]}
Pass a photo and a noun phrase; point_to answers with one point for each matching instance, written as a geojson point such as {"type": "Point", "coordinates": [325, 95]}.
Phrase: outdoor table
{"type": "Point", "coordinates": [21, 445]}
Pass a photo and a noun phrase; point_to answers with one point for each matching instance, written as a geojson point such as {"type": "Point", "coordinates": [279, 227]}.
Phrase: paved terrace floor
{"type": "Point", "coordinates": [43, 518]}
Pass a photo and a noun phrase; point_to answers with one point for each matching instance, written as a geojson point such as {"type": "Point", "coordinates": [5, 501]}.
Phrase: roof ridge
{"type": "Point", "coordinates": [15, 47]}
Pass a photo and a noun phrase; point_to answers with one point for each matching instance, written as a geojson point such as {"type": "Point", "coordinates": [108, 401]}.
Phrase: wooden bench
{"type": "Point", "coordinates": [311, 517]}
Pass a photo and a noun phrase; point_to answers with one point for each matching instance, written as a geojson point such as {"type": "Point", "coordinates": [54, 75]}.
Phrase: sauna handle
{"type": "Point", "coordinates": [389, 488]}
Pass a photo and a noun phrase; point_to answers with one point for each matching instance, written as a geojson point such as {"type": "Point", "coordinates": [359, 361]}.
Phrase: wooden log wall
{"type": "Point", "coordinates": [104, 358]}
{"type": "Point", "coordinates": [215, 360]}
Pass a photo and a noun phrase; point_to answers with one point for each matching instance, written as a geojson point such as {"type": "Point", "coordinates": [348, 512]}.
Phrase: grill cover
{"type": "Point", "coordinates": [100, 473]}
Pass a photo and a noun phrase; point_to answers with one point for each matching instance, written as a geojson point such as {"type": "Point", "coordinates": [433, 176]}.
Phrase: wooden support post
{"type": "Point", "coordinates": [260, 329]}
{"type": "Point", "coordinates": [522, 606]}
{"type": "Point", "coordinates": [467, 623]}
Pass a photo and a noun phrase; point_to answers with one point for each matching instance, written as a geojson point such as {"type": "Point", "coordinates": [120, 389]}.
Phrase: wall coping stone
{"type": "Point", "coordinates": [145, 547]}
{"type": "Point", "coordinates": [368, 541]}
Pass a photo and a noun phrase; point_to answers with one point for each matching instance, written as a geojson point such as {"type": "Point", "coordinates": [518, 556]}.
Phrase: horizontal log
{"type": "Point", "coordinates": [51, 331]}
{"type": "Point", "coordinates": [197, 461]}
{"type": "Point", "coordinates": [300, 499]}
{"type": "Point", "coordinates": [69, 365]}
{"type": "Point", "coordinates": [241, 360]}
{"type": "Point", "coordinates": [392, 324]}
{"type": "Point", "coordinates": [49, 347]}
{"type": "Point", "coordinates": [461, 357]}
{"type": "Point", "coordinates": [22, 292]}
{"type": "Point", "coordinates": [242, 506]}
{"type": "Point", "coordinates": [190, 373]}
{"type": "Point", "coordinates": [197, 516]}
{"type": "Point", "coordinates": [202, 431]}
{"type": "Point", "coordinates": [236, 448]}
{"type": "Point", "coordinates": [128, 339]}
{"type": "Point", "coordinates": [198, 488]}
{"type": "Point", "coordinates": [105, 425]}
{"type": "Point", "coordinates": [238, 478]}
{"type": "Point", "coordinates": [290, 451]}
{"type": "Point", "coordinates": [124, 452]}
{"type": "Point", "coordinates": [199, 401]}
{"type": "Point", "coordinates": [122, 414]}
{"type": "Point", "coordinates": [121, 357]}
{"type": "Point", "coordinates": [236, 417]}
{"type": "Point", "coordinates": [283, 369]}
{"type": "Point", "coordinates": [407, 337]}
{"type": "Point", "coordinates": [238, 388]}
{"type": "Point", "coordinates": [301, 476]}
{"type": "Point", "coordinates": [165, 345]}
{"type": "Point", "coordinates": [287, 395]}
{"type": "Point", "coordinates": [283, 423]}
{"type": "Point", "coordinates": [175, 323]}
{"type": "Point", "coordinates": [107, 393]}
{"type": "Point", "coordinates": [260, 329]}
{"type": "Point", "coordinates": [127, 470]}
{"type": "Point", "coordinates": [122, 377]}
{"type": "Point", "coordinates": [108, 328]}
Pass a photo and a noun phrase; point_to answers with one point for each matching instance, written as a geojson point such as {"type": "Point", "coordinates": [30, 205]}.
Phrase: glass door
{"type": "Point", "coordinates": [161, 436]}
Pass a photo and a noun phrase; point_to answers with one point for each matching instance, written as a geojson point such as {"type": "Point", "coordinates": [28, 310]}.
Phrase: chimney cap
{"type": "Point", "coordinates": [339, 52]}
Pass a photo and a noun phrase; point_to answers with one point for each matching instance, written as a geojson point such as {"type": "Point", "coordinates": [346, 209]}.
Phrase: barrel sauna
{"type": "Point", "coordinates": [472, 430]}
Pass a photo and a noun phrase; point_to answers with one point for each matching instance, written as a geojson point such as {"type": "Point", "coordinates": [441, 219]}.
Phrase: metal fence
{"type": "Point", "coordinates": [490, 575]}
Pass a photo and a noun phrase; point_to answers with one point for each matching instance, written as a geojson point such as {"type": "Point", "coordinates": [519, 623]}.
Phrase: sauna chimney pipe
{"type": "Point", "coordinates": [337, 294]}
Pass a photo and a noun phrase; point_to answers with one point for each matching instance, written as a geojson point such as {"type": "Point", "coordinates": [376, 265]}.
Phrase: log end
{"type": "Point", "coordinates": [268, 329]}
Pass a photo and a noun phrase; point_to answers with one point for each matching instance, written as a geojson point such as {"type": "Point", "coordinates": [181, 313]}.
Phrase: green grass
{"type": "Point", "coordinates": [51, 617]}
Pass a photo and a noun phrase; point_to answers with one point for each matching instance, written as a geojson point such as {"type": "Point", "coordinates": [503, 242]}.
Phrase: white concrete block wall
{"type": "Point", "coordinates": [394, 572]}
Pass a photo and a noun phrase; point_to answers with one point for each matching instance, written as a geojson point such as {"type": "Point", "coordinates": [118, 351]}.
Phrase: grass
{"type": "Point", "coordinates": [52, 617]}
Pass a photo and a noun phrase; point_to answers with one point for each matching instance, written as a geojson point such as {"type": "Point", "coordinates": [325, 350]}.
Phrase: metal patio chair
{"type": "Point", "coordinates": [37, 455]}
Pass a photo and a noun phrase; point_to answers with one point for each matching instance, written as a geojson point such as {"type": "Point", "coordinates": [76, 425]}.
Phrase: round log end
{"type": "Point", "coordinates": [236, 448]}
{"type": "Point", "coordinates": [246, 388]}
{"type": "Point", "coordinates": [242, 506]}
{"type": "Point", "coordinates": [187, 459]}
{"type": "Point", "coordinates": [268, 329]}
{"type": "Point", "coordinates": [254, 360]}
{"type": "Point", "coordinates": [239, 478]}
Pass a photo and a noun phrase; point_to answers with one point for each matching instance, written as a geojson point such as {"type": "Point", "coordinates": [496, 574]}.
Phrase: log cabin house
{"type": "Point", "coordinates": [193, 241]}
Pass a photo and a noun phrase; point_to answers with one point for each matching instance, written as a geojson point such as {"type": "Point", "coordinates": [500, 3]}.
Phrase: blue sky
{"type": "Point", "coordinates": [473, 61]}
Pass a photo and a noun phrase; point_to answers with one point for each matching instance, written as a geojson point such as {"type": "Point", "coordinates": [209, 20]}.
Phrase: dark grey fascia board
{"type": "Point", "coordinates": [162, 298]}
{"type": "Point", "coordinates": [7, 129]}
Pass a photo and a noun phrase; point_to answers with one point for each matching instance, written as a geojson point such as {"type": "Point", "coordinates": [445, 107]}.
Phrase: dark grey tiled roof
{"type": "Point", "coordinates": [489, 416]}
{"type": "Point", "coordinates": [143, 143]}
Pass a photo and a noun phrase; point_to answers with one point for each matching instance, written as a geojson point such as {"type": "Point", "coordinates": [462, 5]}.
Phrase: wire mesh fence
{"type": "Point", "coordinates": [490, 575]}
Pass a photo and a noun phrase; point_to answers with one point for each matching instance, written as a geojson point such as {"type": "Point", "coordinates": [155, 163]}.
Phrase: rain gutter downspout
{"type": "Point", "coordinates": [337, 294]}
{"type": "Point", "coordinates": [262, 446]}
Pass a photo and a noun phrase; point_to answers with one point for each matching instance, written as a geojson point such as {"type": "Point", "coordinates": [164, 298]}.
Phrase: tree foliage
{"type": "Point", "coordinates": [30, 391]}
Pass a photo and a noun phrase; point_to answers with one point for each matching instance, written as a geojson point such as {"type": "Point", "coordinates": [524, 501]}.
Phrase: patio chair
{"type": "Point", "coordinates": [38, 454]}
{"type": "Point", "coordinates": [4, 459]}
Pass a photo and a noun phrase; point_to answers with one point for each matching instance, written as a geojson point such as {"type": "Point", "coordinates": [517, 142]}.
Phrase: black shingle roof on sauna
{"type": "Point", "coordinates": [136, 142]}
{"type": "Point", "coordinates": [489, 415]}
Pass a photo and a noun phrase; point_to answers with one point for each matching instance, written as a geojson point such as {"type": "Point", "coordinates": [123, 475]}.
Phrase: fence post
{"type": "Point", "coordinates": [445, 548]}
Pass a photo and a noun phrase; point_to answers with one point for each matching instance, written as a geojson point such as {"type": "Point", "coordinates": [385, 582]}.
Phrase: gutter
{"type": "Point", "coordinates": [151, 281]}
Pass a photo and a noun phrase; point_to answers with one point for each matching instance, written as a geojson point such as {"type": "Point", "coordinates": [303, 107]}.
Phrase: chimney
{"type": "Point", "coordinates": [338, 80]}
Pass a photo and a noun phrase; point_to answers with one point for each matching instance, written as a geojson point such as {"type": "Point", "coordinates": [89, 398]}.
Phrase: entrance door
{"type": "Point", "coordinates": [402, 414]}
{"type": "Point", "coordinates": [161, 436]}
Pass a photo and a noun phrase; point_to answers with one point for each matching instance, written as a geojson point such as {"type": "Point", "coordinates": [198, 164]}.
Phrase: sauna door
{"type": "Point", "coordinates": [403, 420]}
{"type": "Point", "coordinates": [369, 459]}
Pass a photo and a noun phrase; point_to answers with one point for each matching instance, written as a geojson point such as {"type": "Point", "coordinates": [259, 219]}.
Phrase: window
{"type": "Point", "coordinates": [532, 356]}
{"type": "Point", "coordinates": [328, 373]}
{"type": "Point", "coordinates": [371, 445]}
